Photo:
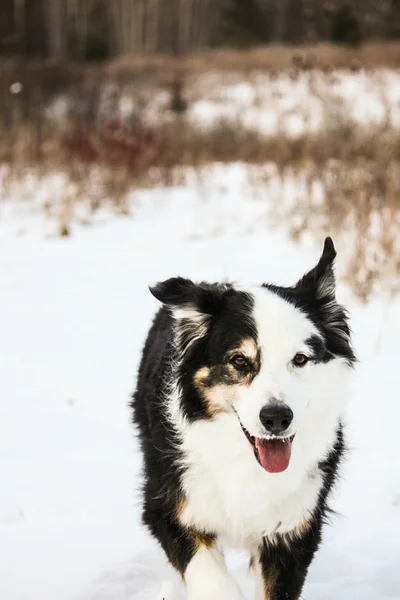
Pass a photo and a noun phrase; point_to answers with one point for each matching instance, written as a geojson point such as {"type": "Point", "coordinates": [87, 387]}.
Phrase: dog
{"type": "Point", "coordinates": [238, 408]}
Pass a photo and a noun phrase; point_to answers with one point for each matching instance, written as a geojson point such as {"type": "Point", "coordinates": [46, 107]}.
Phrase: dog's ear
{"type": "Point", "coordinates": [174, 291]}
{"type": "Point", "coordinates": [192, 306]}
{"type": "Point", "coordinates": [184, 295]}
{"type": "Point", "coordinates": [318, 293]}
{"type": "Point", "coordinates": [320, 281]}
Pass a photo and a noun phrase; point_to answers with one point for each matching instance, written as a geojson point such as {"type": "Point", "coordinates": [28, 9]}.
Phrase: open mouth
{"type": "Point", "coordinates": [273, 453]}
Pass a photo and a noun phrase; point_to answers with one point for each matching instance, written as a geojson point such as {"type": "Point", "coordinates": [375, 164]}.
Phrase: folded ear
{"type": "Point", "coordinates": [192, 306]}
{"type": "Point", "coordinates": [320, 281]}
{"type": "Point", "coordinates": [183, 294]}
{"type": "Point", "coordinates": [173, 291]}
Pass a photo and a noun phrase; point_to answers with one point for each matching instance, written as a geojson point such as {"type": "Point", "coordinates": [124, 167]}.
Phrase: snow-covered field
{"type": "Point", "coordinates": [296, 103]}
{"type": "Point", "coordinates": [73, 316]}
{"type": "Point", "coordinates": [300, 103]}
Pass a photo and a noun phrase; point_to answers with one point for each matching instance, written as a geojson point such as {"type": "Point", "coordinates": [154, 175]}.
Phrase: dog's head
{"type": "Point", "coordinates": [275, 357]}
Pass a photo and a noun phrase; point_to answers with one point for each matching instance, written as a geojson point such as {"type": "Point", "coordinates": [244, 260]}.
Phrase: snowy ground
{"type": "Point", "coordinates": [73, 315]}
{"type": "Point", "coordinates": [296, 103]}
{"type": "Point", "coordinates": [301, 103]}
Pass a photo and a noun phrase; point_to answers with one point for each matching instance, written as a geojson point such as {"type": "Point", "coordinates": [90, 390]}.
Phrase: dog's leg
{"type": "Point", "coordinates": [281, 567]}
{"type": "Point", "coordinates": [194, 555]}
{"type": "Point", "coordinates": [278, 582]}
{"type": "Point", "coordinates": [206, 577]}
{"type": "Point", "coordinates": [255, 566]}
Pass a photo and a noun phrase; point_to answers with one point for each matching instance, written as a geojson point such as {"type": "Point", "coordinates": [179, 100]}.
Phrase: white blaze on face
{"type": "Point", "coordinates": [313, 392]}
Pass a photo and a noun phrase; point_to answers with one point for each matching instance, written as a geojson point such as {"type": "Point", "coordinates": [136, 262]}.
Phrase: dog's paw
{"type": "Point", "coordinates": [206, 578]}
{"type": "Point", "coordinates": [227, 590]}
{"type": "Point", "coordinates": [214, 586]}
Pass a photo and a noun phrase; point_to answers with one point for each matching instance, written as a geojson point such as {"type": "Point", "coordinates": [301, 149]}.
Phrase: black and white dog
{"type": "Point", "coordinates": [238, 406]}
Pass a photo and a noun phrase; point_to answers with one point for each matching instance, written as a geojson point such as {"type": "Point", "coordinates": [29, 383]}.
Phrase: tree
{"type": "Point", "coordinates": [294, 30]}
{"type": "Point", "coordinates": [244, 23]}
{"type": "Point", "coordinates": [346, 27]}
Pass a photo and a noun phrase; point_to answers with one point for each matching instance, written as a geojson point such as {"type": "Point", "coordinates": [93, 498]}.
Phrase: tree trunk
{"type": "Point", "coordinates": [56, 11]}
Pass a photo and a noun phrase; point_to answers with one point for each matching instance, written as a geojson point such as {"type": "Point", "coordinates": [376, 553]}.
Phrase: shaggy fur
{"type": "Point", "coordinates": [238, 408]}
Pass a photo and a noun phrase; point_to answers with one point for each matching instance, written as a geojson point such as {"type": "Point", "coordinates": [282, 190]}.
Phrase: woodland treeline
{"type": "Point", "coordinates": [102, 29]}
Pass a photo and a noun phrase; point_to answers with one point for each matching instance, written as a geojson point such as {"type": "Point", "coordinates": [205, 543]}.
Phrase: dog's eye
{"type": "Point", "coordinates": [300, 360]}
{"type": "Point", "coordinates": [239, 361]}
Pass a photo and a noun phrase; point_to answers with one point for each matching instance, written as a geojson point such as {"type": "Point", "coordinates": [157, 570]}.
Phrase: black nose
{"type": "Point", "coordinates": [276, 418]}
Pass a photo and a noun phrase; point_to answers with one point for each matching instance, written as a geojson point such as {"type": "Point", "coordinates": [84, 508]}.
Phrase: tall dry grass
{"type": "Point", "coordinates": [349, 174]}
{"type": "Point", "coordinates": [274, 58]}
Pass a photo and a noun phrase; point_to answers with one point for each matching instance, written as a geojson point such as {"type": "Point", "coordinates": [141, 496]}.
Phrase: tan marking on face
{"type": "Point", "coordinates": [249, 349]}
{"type": "Point", "coordinates": [218, 398]}
{"type": "Point", "coordinates": [201, 376]}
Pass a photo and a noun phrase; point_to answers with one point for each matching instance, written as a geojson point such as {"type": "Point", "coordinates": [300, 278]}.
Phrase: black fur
{"type": "Point", "coordinates": [162, 487]}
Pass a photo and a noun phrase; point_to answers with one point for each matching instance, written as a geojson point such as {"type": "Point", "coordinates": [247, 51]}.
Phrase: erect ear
{"type": "Point", "coordinates": [320, 281]}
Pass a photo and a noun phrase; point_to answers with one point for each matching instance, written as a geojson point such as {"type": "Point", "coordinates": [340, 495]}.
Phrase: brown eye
{"type": "Point", "coordinates": [300, 360]}
{"type": "Point", "coordinates": [239, 361]}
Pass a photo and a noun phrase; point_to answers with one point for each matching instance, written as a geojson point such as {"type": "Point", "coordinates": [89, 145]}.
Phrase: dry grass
{"type": "Point", "coordinates": [262, 59]}
{"type": "Point", "coordinates": [180, 143]}
{"type": "Point", "coordinates": [349, 174]}
{"type": "Point", "coordinates": [347, 183]}
{"type": "Point", "coordinates": [359, 203]}
{"type": "Point", "coordinates": [183, 144]}
{"type": "Point", "coordinates": [160, 69]}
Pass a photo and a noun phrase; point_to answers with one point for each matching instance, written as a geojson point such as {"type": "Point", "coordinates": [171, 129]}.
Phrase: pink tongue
{"type": "Point", "coordinates": [274, 454]}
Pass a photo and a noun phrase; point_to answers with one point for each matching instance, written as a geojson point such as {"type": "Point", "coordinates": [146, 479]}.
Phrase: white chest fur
{"type": "Point", "coordinates": [229, 493]}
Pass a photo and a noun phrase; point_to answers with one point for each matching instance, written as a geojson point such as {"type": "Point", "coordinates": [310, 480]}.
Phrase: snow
{"type": "Point", "coordinates": [73, 316]}
{"type": "Point", "coordinates": [296, 102]}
